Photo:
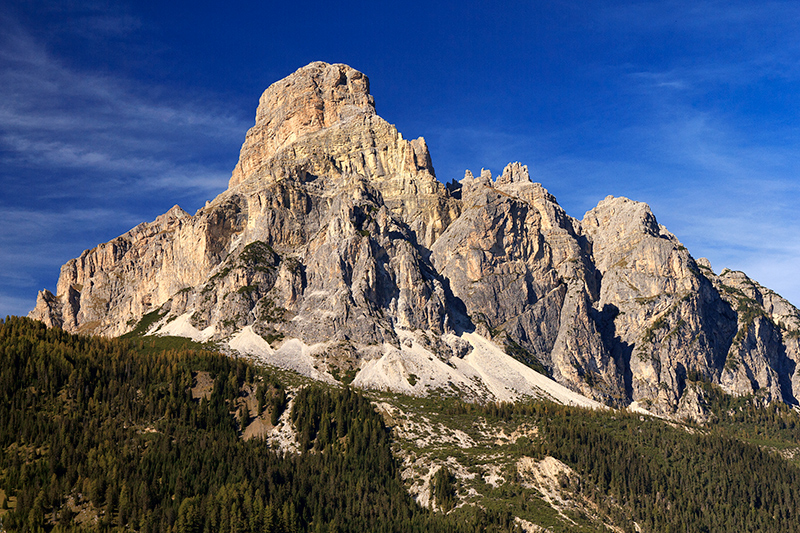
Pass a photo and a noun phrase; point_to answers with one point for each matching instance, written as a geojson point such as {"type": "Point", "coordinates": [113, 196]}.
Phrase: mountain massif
{"type": "Point", "coordinates": [335, 251]}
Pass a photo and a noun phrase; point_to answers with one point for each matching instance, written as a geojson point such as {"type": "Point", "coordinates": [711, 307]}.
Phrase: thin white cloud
{"type": "Point", "coordinates": [35, 243]}
{"type": "Point", "coordinates": [713, 42]}
{"type": "Point", "coordinates": [729, 198]}
{"type": "Point", "coordinates": [48, 238]}
{"type": "Point", "coordinates": [52, 116]}
{"type": "Point", "coordinates": [22, 224]}
{"type": "Point", "coordinates": [668, 80]}
{"type": "Point", "coordinates": [115, 147]}
{"type": "Point", "coordinates": [102, 24]}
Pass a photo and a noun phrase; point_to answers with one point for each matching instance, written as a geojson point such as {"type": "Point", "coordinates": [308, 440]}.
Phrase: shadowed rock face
{"type": "Point", "coordinates": [335, 229]}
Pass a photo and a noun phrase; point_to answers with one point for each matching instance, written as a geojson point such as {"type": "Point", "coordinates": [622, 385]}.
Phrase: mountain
{"type": "Point", "coordinates": [336, 252]}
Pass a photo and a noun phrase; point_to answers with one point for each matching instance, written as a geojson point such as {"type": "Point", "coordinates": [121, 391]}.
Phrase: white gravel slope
{"type": "Point", "coordinates": [397, 369]}
{"type": "Point", "coordinates": [182, 327]}
{"type": "Point", "coordinates": [487, 373]}
{"type": "Point", "coordinates": [507, 378]}
{"type": "Point", "coordinates": [292, 355]}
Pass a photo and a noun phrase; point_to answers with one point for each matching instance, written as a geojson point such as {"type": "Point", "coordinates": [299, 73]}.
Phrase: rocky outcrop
{"type": "Point", "coordinates": [665, 320]}
{"type": "Point", "coordinates": [109, 288]}
{"type": "Point", "coordinates": [334, 231]}
{"type": "Point", "coordinates": [675, 322]}
{"type": "Point", "coordinates": [518, 264]}
{"type": "Point", "coordinates": [763, 356]}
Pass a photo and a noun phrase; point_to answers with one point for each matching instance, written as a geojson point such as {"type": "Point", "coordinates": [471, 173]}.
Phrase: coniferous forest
{"type": "Point", "coordinates": [110, 426]}
{"type": "Point", "coordinates": [107, 435]}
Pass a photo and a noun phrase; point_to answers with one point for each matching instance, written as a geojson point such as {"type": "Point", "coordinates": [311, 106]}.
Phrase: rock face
{"type": "Point", "coordinates": [674, 322]}
{"type": "Point", "coordinates": [335, 230]}
{"type": "Point", "coordinates": [520, 266]}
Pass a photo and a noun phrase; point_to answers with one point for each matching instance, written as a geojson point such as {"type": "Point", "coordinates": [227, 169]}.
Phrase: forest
{"type": "Point", "coordinates": [108, 435]}
{"type": "Point", "coordinates": [109, 429]}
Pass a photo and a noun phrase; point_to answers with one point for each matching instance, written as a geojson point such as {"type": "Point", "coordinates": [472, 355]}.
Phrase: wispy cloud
{"type": "Point", "coordinates": [11, 304]}
{"type": "Point", "coordinates": [714, 129]}
{"type": "Point", "coordinates": [726, 195]}
{"type": "Point", "coordinates": [86, 155]}
{"type": "Point", "coordinates": [659, 80]}
{"type": "Point", "coordinates": [52, 116]}
{"type": "Point", "coordinates": [699, 44]}
{"type": "Point", "coordinates": [33, 236]}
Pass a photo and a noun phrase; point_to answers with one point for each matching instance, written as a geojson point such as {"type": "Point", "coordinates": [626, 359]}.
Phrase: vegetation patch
{"type": "Point", "coordinates": [650, 332]}
{"type": "Point", "coordinates": [272, 337]}
{"type": "Point", "coordinates": [247, 289]}
{"type": "Point", "coordinates": [230, 323]}
{"type": "Point", "coordinates": [748, 310]}
{"type": "Point", "coordinates": [259, 256]}
{"type": "Point", "coordinates": [269, 312]}
{"type": "Point", "coordinates": [345, 377]}
{"type": "Point", "coordinates": [667, 469]}
{"type": "Point", "coordinates": [678, 326]}
{"type": "Point", "coordinates": [732, 363]}
{"type": "Point", "coordinates": [525, 357]}
{"type": "Point", "coordinates": [663, 321]}
{"type": "Point", "coordinates": [443, 489]}
{"type": "Point", "coordinates": [145, 324]}
{"type": "Point", "coordinates": [741, 333]}
{"type": "Point", "coordinates": [219, 275]}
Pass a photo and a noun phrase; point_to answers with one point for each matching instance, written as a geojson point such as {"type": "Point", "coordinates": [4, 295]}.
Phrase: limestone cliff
{"type": "Point", "coordinates": [519, 264]}
{"type": "Point", "coordinates": [336, 246]}
{"type": "Point", "coordinates": [675, 322]}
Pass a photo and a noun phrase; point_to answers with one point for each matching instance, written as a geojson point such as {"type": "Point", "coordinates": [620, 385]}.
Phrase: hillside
{"type": "Point", "coordinates": [157, 434]}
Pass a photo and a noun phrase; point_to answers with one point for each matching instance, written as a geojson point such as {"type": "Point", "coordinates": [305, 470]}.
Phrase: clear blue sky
{"type": "Point", "coordinates": [112, 112]}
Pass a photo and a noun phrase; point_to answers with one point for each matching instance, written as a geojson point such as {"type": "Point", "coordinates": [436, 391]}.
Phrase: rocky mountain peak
{"type": "Point", "coordinates": [314, 97]}
{"type": "Point", "coordinates": [618, 225]}
{"type": "Point", "coordinates": [175, 213]}
{"type": "Point", "coordinates": [514, 173]}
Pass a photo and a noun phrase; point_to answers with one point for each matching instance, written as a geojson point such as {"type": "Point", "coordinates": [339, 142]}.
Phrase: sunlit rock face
{"type": "Point", "coordinates": [335, 230]}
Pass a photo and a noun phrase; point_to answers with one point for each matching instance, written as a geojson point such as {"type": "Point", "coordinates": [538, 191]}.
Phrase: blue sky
{"type": "Point", "coordinates": [112, 112]}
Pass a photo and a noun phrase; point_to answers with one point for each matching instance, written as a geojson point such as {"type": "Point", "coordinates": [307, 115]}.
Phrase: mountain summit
{"type": "Point", "coordinates": [336, 251]}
